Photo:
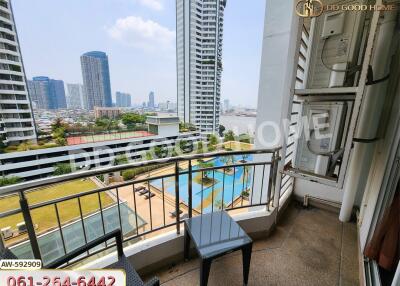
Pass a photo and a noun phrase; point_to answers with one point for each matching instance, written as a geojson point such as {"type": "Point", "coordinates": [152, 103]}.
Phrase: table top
{"type": "Point", "coordinates": [216, 233]}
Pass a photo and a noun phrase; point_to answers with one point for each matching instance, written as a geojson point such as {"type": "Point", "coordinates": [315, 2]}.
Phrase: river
{"type": "Point", "coordinates": [239, 124]}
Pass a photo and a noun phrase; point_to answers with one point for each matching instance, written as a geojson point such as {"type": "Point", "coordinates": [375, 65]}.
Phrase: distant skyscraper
{"type": "Point", "coordinates": [38, 91]}
{"type": "Point", "coordinates": [47, 93]}
{"type": "Point", "coordinates": [57, 89]}
{"type": "Point", "coordinates": [96, 79]}
{"type": "Point", "coordinates": [151, 103]}
{"type": "Point", "coordinates": [16, 116]}
{"type": "Point", "coordinates": [199, 31]}
{"type": "Point", "coordinates": [75, 96]}
{"type": "Point", "coordinates": [122, 99]}
{"type": "Point", "coordinates": [226, 105]}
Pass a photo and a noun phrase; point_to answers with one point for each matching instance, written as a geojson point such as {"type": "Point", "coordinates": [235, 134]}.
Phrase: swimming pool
{"type": "Point", "coordinates": [226, 187]}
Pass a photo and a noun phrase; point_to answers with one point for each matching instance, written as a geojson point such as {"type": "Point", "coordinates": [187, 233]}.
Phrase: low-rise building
{"type": "Point", "coordinates": [163, 125]}
{"type": "Point", "coordinates": [109, 112]}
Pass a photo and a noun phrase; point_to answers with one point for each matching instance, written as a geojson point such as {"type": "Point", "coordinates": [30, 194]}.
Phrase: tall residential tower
{"type": "Point", "coordinates": [47, 93]}
{"type": "Point", "coordinates": [16, 117]}
{"type": "Point", "coordinates": [76, 98]}
{"type": "Point", "coordinates": [96, 79]}
{"type": "Point", "coordinates": [199, 31]}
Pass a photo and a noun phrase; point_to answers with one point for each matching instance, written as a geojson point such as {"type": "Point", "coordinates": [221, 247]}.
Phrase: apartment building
{"type": "Point", "coordinates": [16, 117]}
{"type": "Point", "coordinates": [199, 31]}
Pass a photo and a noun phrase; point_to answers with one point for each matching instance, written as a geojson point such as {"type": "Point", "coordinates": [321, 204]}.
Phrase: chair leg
{"type": "Point", "coordinates": [205, 271]}
{"type": "Point", "coordinates": [246, 253]}
{"type": "Point", "coordinates": [187, 245]}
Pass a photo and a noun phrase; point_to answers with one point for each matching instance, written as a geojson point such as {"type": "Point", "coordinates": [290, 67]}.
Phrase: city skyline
{"type": "Point", "coordinates": [140, 42]}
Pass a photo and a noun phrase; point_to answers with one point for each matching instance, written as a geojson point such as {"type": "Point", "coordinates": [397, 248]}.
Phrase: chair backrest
{"type": "Point", "coordinates": [7, 254]}
{"type": "Point", "coordinates": [117, 234]}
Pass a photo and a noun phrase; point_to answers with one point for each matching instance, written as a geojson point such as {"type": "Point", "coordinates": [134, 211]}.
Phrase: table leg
{"type": "Point", "coordinates": [187, 245]}
{"type": "Point", "coordinates": [246, 253]}
{"type": "Point", "coordinates": [204, 271]}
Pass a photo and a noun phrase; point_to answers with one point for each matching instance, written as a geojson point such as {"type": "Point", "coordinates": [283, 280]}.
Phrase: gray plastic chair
{"type": "Point", "coordinates": [132, 277]}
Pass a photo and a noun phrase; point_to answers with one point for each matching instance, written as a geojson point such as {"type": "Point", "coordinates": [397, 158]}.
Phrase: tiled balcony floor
{"type": "Point", "coordinates": [308, 247]}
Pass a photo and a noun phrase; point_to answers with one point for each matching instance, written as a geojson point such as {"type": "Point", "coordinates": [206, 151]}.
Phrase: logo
{"type": "Point", "coordinates": [309, 8]}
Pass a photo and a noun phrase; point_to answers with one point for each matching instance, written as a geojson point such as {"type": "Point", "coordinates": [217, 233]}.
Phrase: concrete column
{"type": "Point", "coordinates": [277, 67]}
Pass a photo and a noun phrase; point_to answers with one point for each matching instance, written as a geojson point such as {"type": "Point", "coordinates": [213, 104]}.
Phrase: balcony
{"type": "Point", "coordinates": [150, 210]}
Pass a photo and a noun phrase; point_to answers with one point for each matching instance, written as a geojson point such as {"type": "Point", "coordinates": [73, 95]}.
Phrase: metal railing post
{"type": "Point", "coordinates": [271, 179]}
{"type": "Point", "coordinates": [178, 225]}
{"type": "Point", "coordinates": [277, 179]}
{"type": "Point", "coordinates": [190, 189]}
{"type": "Point", "coordinates": [29, 225]}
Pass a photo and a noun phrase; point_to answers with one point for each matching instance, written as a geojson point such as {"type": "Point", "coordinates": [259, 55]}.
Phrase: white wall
{"type": "Point", "coordinates": [168, 130]}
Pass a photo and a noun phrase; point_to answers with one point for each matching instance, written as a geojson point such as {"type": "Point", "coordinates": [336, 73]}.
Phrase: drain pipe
{"type": "Point", "coordinates": [369, 118]}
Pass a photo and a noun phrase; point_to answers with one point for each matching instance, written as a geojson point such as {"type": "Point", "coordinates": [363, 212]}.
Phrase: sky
{"type": "Point", "coordinates": [139, 38]}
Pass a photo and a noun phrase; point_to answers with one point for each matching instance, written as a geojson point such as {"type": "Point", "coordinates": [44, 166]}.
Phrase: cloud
{"type": "Point", "coordinates": [152, 4]}
{"type": "Point", "coordinates": [143, 34]}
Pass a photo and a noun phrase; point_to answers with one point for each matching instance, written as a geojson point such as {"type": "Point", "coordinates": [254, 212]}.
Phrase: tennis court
{"type": "Point", "coordinates": [90, 138]}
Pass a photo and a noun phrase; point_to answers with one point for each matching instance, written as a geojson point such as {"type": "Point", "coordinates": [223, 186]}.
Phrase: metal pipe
{"type": "Point", "coordinates": [369, 118]}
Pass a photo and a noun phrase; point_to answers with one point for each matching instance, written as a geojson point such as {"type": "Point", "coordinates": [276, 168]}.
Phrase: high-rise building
{"type": "Point", "coordinates": [151, 103]}
{"type": "Point", "coordinates": [75, 96]}
{"type": "Point", "coordinates": [199, 31]}
{"type": "Point", "coordinates": [16, 116]}
{"type": "Point", "coordinates": [227, 105]}
{"type": "Point", "coordinates": [96, 79]}
{"type": "Point", "coordinates": [47, 93]}
{"type": "Point", "coordinates": [38, 91]}
{"type": "Point", "coordinates": [57, 89]}
{"type": "Point", "coordinates": [123, 99]}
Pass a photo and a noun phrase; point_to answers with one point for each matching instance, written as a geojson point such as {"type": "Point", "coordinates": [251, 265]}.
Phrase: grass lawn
{"type": "Point", "coordinates": [45, 217]}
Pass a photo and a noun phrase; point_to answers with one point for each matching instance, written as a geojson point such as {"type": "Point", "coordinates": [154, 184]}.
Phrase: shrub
{"type": "Point", "coordinates": [5, 181]}
{"type": "Point", "coordinates": [62, 169]}
{"type": "Point", "coordinates": [128, 174]}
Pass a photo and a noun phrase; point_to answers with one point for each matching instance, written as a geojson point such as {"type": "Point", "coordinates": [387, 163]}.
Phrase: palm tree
{"type": "Point", "coordinates": [219, 205]}
{"type": "Point", "coordinates": [204, 165]}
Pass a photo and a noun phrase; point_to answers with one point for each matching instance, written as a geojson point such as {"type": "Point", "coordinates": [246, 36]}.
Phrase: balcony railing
{"type": "Point", "coordinates": [186, 186]}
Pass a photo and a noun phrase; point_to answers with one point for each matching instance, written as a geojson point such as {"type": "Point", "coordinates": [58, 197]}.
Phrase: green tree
{"type": "Point", "coordinates": [131, 119]}
{"type": "Point", "coordinates": [204, 165]}
{"type": "Point", "coordinates": [148, 156]}
{"type": "Point", "coordinates": [200, 147]}
{"type": "Point", "coordinates": [221, 130]}
{"type": "Point", "coordinates": [219, 205]}
{"type": "Point", "coordinates": [120, 160]}
{"type": "Point", "coordinates": [228, 160]}
{"type": "Point", "coordinates": [62, 169]}
{"type": "Point", "coordinates": [186, 146]}
{"type": "Point", "coordinates": [212, 142]}
{"type": "Point", "coordinates": [245, 138]}
{"type": "Point", "coordinates": [161, 151]}
{"type": "Point", "coordinates": [2, 144]}
{"type": "Point", "coordinates": [57, 124]}
{"type": "Point", "coordinates": [212, 139]}
{"type": "Point", "coordinates": [229, 136]}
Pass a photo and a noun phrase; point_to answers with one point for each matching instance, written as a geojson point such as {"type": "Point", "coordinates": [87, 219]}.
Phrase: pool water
{"type": "Point", "coordinates": [226, 187]}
